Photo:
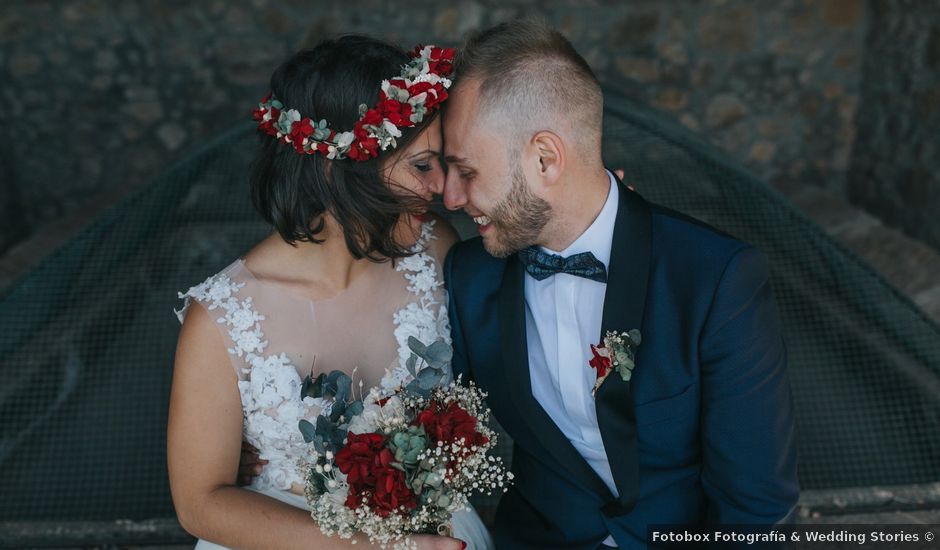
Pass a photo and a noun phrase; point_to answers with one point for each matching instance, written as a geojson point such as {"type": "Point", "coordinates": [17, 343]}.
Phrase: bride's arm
{"type": "Point", "coordinates": [203, 446]}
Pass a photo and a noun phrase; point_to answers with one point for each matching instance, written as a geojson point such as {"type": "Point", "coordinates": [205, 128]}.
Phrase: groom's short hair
{"type": "Point", "coordinates": [531, 78]}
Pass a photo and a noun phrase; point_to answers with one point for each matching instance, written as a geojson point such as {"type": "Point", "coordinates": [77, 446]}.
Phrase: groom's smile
{"type": "Point", "coordinates": [485, 178]}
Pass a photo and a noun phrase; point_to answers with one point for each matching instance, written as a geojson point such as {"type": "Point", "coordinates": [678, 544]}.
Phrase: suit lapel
{"type": "Point", "coordinates": [627, 277]}
{"type": "Point", "coordinates": [516, 365]}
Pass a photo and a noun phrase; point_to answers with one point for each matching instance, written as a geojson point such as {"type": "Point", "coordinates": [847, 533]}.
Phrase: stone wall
{"type": "Point", "coordinates": [895, 168]}
{"type": "Point", "coordinates": [101, 95]}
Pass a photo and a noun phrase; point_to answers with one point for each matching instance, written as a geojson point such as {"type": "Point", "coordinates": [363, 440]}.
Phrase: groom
{"type": "Point", "coordinates": [702, 432]}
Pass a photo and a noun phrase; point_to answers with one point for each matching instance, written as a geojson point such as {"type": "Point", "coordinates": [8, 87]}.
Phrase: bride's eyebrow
{"type": "Point", "coordinates": [425, 152]}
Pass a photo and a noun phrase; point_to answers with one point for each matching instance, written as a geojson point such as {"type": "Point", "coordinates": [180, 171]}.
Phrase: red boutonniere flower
{"type": "Point", "coordinates": [616, 353]}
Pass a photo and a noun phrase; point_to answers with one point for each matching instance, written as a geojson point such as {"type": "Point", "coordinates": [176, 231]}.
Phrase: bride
{"type": "Point", "coordinates": [353, 270]}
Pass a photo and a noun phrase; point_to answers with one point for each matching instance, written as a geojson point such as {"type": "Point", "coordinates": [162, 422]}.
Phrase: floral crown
{"type": "Point", "coordinates": [403, 103]}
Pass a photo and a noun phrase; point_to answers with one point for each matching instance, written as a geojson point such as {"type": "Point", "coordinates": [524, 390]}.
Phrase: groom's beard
{"type": "Point", "coordinates": [518, 219]}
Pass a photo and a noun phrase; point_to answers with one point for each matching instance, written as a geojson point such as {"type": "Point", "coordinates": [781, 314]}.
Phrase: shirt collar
{"type": "Point", "coordinates": [598, 238]}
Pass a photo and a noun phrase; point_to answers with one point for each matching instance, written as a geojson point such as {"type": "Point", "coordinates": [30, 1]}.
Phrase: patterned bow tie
{"type": "Point", "coordinates": [542, 265]}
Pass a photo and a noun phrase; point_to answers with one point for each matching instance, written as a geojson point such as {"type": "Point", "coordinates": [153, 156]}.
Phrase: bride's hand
{"type": "Point", "coordinates": [436, 542]}
{"type": "Point", "coordinates": [249, 464]}
{"type": "Point", "coordinates": [620, 174]}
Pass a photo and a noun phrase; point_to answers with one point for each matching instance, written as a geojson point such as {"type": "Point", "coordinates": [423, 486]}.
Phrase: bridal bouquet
{"type": "Point", "coordinates": [398, 462]}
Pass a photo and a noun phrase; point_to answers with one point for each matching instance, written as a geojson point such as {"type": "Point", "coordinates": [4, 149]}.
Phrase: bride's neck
{"type": "Point", "coordinates": [330, 261]}
{"type": "Point", "coordinates": [324, 269]}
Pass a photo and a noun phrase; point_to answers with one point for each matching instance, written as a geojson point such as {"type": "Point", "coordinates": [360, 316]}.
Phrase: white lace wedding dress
{"type": "Point", "coordinates": [275, 337]}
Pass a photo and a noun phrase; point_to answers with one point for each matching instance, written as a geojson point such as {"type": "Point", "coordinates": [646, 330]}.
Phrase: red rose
{"type": "Point", "coordinates": [450, 425]}
{"type": "Point", "coordinates": [418, 87]}
{"type": "Point", "coordinates": [442, 61]}
{"type": "Point", "coordinates": [357, 457]}
{"type": "Point", "coordinates": [392, 492]}
{"type": "Point", "coordinates": [367, 464]}
{"type": "Point", "coordinates": [364, 148]}
{"type": "Point", "coordinates": [266, 126]}
{"type": "Point", "coordinates": [300, 130]}
{"type": "Point", "coordinates": [599, 362]}
{"type": "Point", "coordinates": [398, 83]}
{"type": "Point", "coordinates": [436, 95]}
{"type": "Point", "coordinates": [396, 112]}
{"type": "Point", "coordinates": [304, 126]}
{"type": "Point", "coordinates": [372, 117]}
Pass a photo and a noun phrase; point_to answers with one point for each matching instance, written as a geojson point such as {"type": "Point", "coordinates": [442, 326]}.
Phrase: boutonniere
{"type": "Point", "coordinates": [616, 353]}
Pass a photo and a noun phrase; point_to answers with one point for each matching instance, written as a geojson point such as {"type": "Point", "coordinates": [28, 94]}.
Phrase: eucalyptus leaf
{"type": "Point", "coordinates": [439, 352]}
{"type": "Point", "coordinates": [415, 388]}
{"type": "Point", "coordinates": [338, 437]}
{"type": "Point", "coordinates": [338, 410]}
{"type": "Point", "coordinates": [429, 378]}
{"type": "Point", "coordinates": [307, 430]}
{"type": "Point", "coordinates": [354, 409]}
{"type": "Point", "coordinates": [410, 364]}
{"type": "Point", "coordinates": [324, 427]}
{"type": "Point", "coordinates": [313, 387]}
{"type": "Point", "coordinates": [635, 337]}
{"type": "Point", "coordinates": [417, 347]}
{"type": "Point", "coordinates": [343, 386]}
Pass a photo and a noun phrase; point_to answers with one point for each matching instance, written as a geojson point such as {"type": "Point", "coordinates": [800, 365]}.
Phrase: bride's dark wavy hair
{"type": "Point", "coordinates": [292, 191]}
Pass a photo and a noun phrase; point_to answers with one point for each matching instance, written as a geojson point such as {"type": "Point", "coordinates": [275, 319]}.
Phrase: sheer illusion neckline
{"type": "Point", "coordinates": [282, 288]}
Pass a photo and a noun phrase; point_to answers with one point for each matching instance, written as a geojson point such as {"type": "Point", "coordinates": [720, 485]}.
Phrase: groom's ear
{"type": "Point", "coordinates": [551, 155]}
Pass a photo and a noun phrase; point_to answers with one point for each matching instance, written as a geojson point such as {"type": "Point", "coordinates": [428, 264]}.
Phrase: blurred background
{"type": "Point", "coordinates": [808, 127]}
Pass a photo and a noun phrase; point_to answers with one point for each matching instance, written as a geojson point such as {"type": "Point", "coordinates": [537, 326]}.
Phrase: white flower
{"type": "Point", "coordinates": [248, 341]}
{"type": "Point", "coordinates": [221, 290]}
{"type": "Point", "coordinates": [422, 282]}
{"type": "Point", "coordinates": [368, 421]}
{"type": "Point", "coordinates": [415, 262]}
{"type": "Point", "coordinates": [264, 395]}
{"type": "Point", "coordinates": [344, 139]}
{"type": "Point", "coordinates": [241, 316]}
{"type": "Point", "coordinates": [391, 128]}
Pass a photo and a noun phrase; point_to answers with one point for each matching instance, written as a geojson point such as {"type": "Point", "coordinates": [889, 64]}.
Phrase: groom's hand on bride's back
{"type": "Point", "coordinates": [620, 174]}
{"type": "Point", "coordinates": [249, 464]}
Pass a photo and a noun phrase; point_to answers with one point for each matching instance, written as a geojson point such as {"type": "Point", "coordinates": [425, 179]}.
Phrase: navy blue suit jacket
{"type": "Point", "coordinates": [701, 434]}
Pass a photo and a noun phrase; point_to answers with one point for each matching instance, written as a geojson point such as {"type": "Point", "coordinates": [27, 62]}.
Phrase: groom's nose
{"type": "Point", "coordinates": [455, 193]}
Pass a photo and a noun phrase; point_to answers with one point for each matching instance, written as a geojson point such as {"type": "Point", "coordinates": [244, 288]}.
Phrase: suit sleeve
{"type": "Point", "coordinates": [748, 442]}
{"type": "Point", "coordinates": [460, 364]}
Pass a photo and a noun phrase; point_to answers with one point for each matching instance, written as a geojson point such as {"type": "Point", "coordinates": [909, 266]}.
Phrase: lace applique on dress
{"type": "Point", "coordinates": [269, 385]}
{"type": "Point", "coordinates": [269, 382]}
{"type": "Point", "coordinates": [426, 319]}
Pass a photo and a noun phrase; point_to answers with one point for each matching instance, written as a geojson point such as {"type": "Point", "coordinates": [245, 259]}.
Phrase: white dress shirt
{"type": "Point", "coordinates": [563, 318]}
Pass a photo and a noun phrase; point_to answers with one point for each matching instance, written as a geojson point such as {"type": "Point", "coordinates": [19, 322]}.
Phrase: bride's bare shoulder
{"type": "Point", "coordinates": [268, 259]}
